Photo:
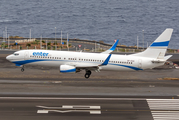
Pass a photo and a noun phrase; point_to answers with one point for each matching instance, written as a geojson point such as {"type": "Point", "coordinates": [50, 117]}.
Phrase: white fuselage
{"type": "Point", "coordinates": [57, 58]}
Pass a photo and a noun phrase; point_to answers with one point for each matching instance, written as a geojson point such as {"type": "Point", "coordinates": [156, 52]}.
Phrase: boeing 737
{"type": "Point", "coordinates": [72, 62]}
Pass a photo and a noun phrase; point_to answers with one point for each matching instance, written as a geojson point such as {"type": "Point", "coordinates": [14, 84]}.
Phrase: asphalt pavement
{"type": "Point", "coordinates": [46, 108]}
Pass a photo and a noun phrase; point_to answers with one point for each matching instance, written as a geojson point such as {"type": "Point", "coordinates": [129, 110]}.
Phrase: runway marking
{"type": "Point", "coordinates": [81, 107]}
{"type": "Point", "coordinates": [95, 112]}
{"type": "Point", "coordinates": [71, 108]}
{"type": "Point", "coordinates": [42, 111]}
{"type": "Point", "coordinates": [164, 109]}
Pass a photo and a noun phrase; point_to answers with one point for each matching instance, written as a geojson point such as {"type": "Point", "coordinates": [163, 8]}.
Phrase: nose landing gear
{"type": "Point", "coordinates": [88, 73]}
{"type": "Point", "coordinates": [22, 69]}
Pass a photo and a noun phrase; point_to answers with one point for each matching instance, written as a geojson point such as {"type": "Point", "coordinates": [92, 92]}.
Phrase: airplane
{"type": "Point", "coordinates": [73, 62]}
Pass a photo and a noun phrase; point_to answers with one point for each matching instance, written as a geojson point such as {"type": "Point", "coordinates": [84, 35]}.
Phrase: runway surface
{"type": "Point", "coordinates": [91, 99]}
{"type": "Point", "coordinates": [72, 108]}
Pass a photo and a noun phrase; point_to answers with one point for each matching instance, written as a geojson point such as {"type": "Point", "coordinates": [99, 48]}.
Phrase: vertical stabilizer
{"type": "Point", "coordinates": [158, 48]}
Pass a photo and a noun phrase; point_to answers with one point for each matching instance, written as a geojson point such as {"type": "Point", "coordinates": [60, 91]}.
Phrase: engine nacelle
{"type": "Point", "coordinates": [67, 69]}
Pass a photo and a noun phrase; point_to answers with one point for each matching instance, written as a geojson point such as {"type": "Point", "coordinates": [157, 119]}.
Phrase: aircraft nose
{"type": "Point", "coordinates": [9, 57]}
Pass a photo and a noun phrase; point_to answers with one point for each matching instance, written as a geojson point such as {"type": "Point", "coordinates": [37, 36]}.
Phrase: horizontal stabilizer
{"type": "Point", "coordinates": [162, 60]}
{"type": "Point", "coordinates": [167, 57]}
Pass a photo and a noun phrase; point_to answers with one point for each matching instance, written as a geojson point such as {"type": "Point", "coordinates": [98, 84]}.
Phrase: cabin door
{"type": "Point", "coordinates": [140, 63]}
{"type": "Point", "coordinates": [26, 55]}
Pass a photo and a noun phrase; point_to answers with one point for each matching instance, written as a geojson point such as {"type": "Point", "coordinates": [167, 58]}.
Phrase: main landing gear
{"type": "Point", "coordinates": [88, 73]}
{"type": "Point", "coordinates": [22, 69]}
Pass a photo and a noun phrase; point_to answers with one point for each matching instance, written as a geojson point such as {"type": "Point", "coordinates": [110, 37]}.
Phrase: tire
{"type": "Point", "coordinates": [22, 69]}
{"type": "Point", "coordinates": [87, 75]}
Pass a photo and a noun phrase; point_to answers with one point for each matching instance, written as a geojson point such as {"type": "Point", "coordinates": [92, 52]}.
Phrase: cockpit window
{"type": "Point", "coordinates": [16, 54]}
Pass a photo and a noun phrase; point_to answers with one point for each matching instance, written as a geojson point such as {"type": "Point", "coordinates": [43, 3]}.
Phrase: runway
{"type": "Point", "coordinates": [76, 99]}
{"type": "Point", "coordinates": [88, 108]}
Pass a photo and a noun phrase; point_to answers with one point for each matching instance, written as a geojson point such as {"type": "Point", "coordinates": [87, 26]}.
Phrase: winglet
{"type": "Point", "coordinates": [106, 61]}
{"type": "Point", "coordinates": [112, 48]}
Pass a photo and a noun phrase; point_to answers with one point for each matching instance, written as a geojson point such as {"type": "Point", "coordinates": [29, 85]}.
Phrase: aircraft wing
{"type": "Point", "coordinates": [92, 66]}
{"type": "Point", "coordinates": [111, 49]}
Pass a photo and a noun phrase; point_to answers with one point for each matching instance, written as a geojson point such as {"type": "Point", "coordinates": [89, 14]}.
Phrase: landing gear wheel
{"type": "Point", "coordinates": [22, 69]}
{"type": "Point", "coordinates": [88, 73]}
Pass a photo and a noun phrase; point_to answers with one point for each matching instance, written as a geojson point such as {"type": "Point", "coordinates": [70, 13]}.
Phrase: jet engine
{"type": "Point", "coordinates": [67, 69]}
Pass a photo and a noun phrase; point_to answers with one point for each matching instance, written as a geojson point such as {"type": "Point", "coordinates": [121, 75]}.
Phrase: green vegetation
{"type": "Point", "coordinates": [101, 41]}
{"type": "Point", "coordinates": [43, 41]}
{"type": "Point", "coordinates": [49, 47]}
{"type": "Point", "coordinates": [28, 44]}
{"type": "Point", "coordinates": [170, 51]}
{"type": "Point", "coordinates": [61, 47]}
{"type": "Point", "coordinates": [69, 45]}
{"type": "Point", "coordinates": [55, 43]}
{"type": "Point", "coordinates": [14, 37]}
{"type": "Point", "coordinates": [49, 43]}
{"type": "Point", "coordinates": [6, 46]}
{"type": "Point", "coordinates": [3, 44]}
{"type": "Point", "coordinates": [122, 50]}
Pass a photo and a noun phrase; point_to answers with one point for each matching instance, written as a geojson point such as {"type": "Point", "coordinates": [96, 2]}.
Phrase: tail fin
{"type": "Point", "coordinates": [158, 48]}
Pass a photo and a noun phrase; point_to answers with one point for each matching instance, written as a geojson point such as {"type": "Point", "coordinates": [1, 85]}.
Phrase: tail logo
{"type": "Point", "coordinates": [160, 44]}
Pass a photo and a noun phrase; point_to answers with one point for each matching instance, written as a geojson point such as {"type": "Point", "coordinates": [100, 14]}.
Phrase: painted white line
{"type": "Point", "coordinates": [42, 111]}
{"type": "Point", "coordinates": [162, 100]}
{"type": "Point", "coordinates": [49, 107]}
{"type": "Point", "coordinates": [161, 118]}
{"type": "Point", "coordinates": [164, 107]}
{"type": "Point", "coordinates": [176, 114]}
{"type": "Point", "coordinates": [166, 111]}
{"type": "Point", "coordinates": [67, 106]}
{"type": "Point", "coordinates": [166, 114]}
{"type": "Point", "coordinates": [167, 104]}
{"type": "Point", "coordinates": [95, 112]}
{"type": "Point", "coordinates": [61, 111]}
{"type": "Point", "coordinates": [71, 107]}
{"type": "Point", "coordinates": [66, 111]}
{"type": "Point", "coordinates": [95, 107]}
{"type": "Point", "coordinates": [168, 118]}
{"type": "Point", "coordinates": [164, 104]}
{"type": "Point", "coordinates": [157, 102]}
{"type": "Point", "coordinates": [171, 103]}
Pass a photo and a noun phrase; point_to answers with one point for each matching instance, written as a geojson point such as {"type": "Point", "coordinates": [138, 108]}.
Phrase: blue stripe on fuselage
{"type": "Point", "coordinates": [131, 67]}
{"type": "Point", "coordinates": [22, 62]}
{"type": "Point", "coordinates": [66, 71]}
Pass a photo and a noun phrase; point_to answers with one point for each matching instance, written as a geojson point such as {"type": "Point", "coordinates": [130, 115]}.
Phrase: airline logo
{"type": "Point", "coordinates": [40, 54]}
